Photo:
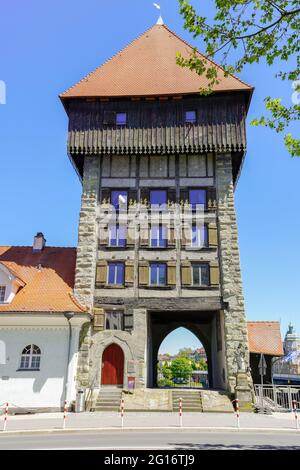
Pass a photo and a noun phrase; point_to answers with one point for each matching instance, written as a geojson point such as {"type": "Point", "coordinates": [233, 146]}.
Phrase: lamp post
{"type": "Point", "coordinates": [68, 316]}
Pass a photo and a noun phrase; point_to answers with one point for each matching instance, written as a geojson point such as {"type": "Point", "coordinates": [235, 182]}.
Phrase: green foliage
{"type": "Point", "coordinates": [254, 30]}
{"type": "Point", "coordinates": [181, 368]}
{"type": "Point", "coordinates": [201, 365]}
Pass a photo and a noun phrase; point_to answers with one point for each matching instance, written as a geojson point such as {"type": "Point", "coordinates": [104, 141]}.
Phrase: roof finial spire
{"type": "Point", "coordinates": [160, 21]}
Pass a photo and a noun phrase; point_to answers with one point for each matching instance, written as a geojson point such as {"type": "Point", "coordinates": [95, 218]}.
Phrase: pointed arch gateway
{"type": "Point", "coordinates": [112, 365]}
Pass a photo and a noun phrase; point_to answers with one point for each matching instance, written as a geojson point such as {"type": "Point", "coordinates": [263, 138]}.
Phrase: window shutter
{"type": "Point", "coordinates": [214, 273]}
{"type": "Point", "coordinates": [104, 235]}
{"type": "Point", "coordinates": [130, 234]}
{"type": "Point", "coordinates": [99, 318]}
{"type": "Point", "coordinates": [144, 235]}
{"type": "Point", "coordinates": [172, 195]}
{"type": "Point", "coordinates": [186, 235]}
{"type": "Point", "coordinates": [211, 198]}
{"type": "Point", "coordinates": [171, 273]}
{"type": "Point", "coordinates": [186, 273]}
{"type": "Point", "coordinates": [145, 196]}
{"type": "Point", "coordinates": [184, 196]}
{"type": "Point", "coordinates": [212, 235]}
{"type": "Point", "coordinates": [128, 321]}
{"type": "Point", "coordinates": [101, 273]}
{"type": "Point", "coordinates": [129, 273]}
{"type": "Point", "coordinates": [171, 237]}
{"type": "Point", "coordinates": [143, 273]}
{"type": "Point", "coordinates": [105, 196]}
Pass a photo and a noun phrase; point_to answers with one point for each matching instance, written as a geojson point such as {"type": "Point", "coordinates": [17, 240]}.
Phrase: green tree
{"type": "Point", "coordinates": [252, 30]}
{"type": "Point", "coordinates": [181, 368]}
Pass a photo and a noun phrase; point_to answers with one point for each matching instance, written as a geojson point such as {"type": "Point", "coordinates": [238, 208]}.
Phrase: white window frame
{"type": "Point", "coordinates": [32, 355]}
{"type": "Point", "coordinates": [115, 273]}
{"type": "Point", "coordinates": [117, 228]}
{"type": "Point", "coordinates": [157, 275]}
{"type": "Point", "coordinates": [158, 239]}
{"type": "Point", "coordinates": [198, 236]}
{"type": "Point", "coordinates": [199, 265]}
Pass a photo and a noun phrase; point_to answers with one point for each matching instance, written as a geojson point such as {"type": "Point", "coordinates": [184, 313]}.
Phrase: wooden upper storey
{"type": "Point", "coordinates": [144, 81]}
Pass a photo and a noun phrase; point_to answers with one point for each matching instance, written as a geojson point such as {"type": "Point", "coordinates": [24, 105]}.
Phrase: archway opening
{"type": "Point", "coordinates": [182, 361]}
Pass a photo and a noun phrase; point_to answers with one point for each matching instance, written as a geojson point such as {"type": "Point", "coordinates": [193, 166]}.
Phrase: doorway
{"type": "Point", "coordinates": [112, 365]}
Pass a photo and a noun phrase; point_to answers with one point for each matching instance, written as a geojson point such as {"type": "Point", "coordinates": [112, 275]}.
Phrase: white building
{"type": "Point", "coordinates": [40, 322]}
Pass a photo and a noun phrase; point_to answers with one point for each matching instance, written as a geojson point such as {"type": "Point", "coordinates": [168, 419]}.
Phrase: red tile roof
{"type": "Point", "coordinates": [48, 289]}
{"type": "Point", "coordinates": [147, 67]}
{"type": "Point", "coordinates": [264, 337]}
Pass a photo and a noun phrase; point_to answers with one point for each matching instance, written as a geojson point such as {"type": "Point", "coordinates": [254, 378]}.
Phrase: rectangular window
{"type": "Point", "coordinates": [199, 237]}
{"type": "Point", "coordinates": [115, 274]}
{"type": "Point", "coordinates": [200, 273]}
{"type": "Point", "coordinates": [158, 274]}
{"type": "Point", "coordinates": [114, 320]}
{"type": "Point", "coordinates": [117, 235]}
{"type": "Point", "coordinates": [197, 198]}
{"type": "Point", "coordinates": [158, 198]}
{"type": "Point", "coordinates": [119, 199]}
{"type": "Point", "coordinates": [190, 117]}
{"type": "Point", "coordinates": [158, 236]}
{"type": "Point", "coordinates": [121, 119]}
{"type": "Point", "coordinates": [2, 293]}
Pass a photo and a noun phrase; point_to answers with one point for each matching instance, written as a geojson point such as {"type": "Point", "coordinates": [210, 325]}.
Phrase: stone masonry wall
{"type": "Point", "coordinates": [87, 233]}
{"type": "Point", "coordinates": [234, 315]}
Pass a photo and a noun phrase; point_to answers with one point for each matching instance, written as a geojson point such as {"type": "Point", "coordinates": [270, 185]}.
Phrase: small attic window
{"type": "Point", "coordinates": [121, 119]}
{"type": "Point", "coordinates": [190, 117]}
{"type": "Point", "coordinates": [109, 118]}
{"type": "Point", "coordinates": [2, 293]}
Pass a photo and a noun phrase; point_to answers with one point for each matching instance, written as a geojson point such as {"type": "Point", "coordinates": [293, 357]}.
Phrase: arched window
{"type": "Point", "coordinates": [31, 357]}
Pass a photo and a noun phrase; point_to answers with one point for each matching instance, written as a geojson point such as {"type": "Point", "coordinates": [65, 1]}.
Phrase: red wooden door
{"type": "Point", "coordinates": [112, 365]}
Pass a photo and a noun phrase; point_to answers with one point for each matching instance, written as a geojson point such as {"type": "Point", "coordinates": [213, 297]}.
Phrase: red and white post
{"type": "Point", "coordinates": [122, 412]}
{"type": "Point", "coordinates": [237, 411]}
{"type": "Point", "coordinates": [65, 415]}
{"type": "Point", "coordinates": [180, 412]}
{"type": "Point", "coordinates": [5, 416]}
{"type": "Point", "coordinates": [295, 413]}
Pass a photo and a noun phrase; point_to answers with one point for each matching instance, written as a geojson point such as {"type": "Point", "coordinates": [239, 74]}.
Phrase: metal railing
{"type": "Point", "coordinates": [276, 397]}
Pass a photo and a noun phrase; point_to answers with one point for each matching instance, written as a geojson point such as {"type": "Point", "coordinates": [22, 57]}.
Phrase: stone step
{"type": "Point", "coordinates": [191, 400]}
{"type": "Point", "coordinates": [108, 400]}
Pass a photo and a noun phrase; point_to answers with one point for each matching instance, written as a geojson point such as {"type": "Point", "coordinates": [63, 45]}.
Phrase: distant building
{"type": "Point", "coordinates": [286, 370]}
{"type": "Point", "coordinates": [264, 339]}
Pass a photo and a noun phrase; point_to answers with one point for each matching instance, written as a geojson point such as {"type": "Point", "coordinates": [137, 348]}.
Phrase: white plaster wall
{"type": "Point", "coordinates": [43, 388]}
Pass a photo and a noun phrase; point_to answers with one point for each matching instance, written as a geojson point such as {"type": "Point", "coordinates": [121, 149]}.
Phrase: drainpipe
{"type": "Point", "coordinates": [68, 316]}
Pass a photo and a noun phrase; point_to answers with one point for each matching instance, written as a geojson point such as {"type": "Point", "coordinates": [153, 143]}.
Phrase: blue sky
{"type": "Point", "coordinates": [47, 47]}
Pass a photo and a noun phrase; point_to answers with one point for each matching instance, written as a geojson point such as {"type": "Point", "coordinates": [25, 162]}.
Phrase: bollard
{"type": "Point", "coordinates": [65, 415]}
{"type": "Point", "coordinates": [122, 412]}
{"type": "Point", "coordinates": [5, 417]}
{"type": "Point", "coordinates": [180, 412]}
{"type": "Point", "coordinates": [295, 413]}
{"type": "Point", "coordinates": [237, 412]}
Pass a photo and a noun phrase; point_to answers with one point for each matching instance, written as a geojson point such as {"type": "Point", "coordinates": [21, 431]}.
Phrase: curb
{"type": "Point", "coordinates": [154, 429]}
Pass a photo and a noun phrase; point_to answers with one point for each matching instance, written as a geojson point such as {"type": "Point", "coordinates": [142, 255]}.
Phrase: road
{"type": "Point", "coordinates": [153, 440]}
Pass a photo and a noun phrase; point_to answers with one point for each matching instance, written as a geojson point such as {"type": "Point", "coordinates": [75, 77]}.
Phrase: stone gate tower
{"type": "Point", "coordinates": [158, 245]}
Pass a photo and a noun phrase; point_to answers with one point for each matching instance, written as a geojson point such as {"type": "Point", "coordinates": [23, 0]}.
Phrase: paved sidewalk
{"type": "Point", "coordinates": [153, 420]}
